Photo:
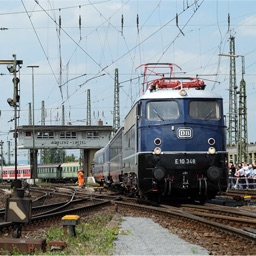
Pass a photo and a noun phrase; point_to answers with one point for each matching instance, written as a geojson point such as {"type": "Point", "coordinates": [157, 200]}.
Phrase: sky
{"type": "Point", "coordinates": [78, 45]}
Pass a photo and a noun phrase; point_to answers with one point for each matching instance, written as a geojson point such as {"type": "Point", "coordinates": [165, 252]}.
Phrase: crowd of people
{"type": "Point", "coordinates": [242, 176]}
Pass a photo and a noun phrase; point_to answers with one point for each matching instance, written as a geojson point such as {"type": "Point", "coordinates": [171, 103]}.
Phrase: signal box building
{"type": "Point", "coordinates": [86, 138]}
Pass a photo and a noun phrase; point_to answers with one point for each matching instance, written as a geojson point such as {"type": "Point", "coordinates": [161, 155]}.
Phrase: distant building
{"type": "Point", "coordinates": [232, 153]}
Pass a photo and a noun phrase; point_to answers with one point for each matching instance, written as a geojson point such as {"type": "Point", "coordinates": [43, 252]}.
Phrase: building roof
{"type": "Point", "coordinates": [54, 128]}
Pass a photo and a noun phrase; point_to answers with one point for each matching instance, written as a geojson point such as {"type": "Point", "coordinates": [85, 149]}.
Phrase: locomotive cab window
{"type": "Point", "coordinates": [162, 110]}
{"type": "Point", "coordinates": [205, 110]}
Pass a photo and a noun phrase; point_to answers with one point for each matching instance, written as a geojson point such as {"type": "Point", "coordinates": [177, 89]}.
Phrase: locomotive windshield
{"type": "Point", "coordinates": [204, 109]}
{"type": "Point", "coordinates": [162, 110]}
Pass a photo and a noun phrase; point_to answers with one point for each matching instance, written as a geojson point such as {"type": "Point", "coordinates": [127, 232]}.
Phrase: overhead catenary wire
{"type": "Point", "coordinates": [38, 39]}
{"type": "Point", "coordinates": [60, 29]}
{"type": "Point", "coordinates": [129, 49]}
{"type": "Point", "coordinates": [137, 25]}
{"type": "Point", "coordinates": [203, 55]}
{"type": "Point", "coordinates": [71, 38]}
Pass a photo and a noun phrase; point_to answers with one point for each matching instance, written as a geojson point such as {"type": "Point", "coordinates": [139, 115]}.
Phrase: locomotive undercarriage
{"type": "Point", "coordinates": [180, 186]}
{"type": "Point", "coordinates": [202, 179]}
{"type": "Point", "coordinates": [129, 183]}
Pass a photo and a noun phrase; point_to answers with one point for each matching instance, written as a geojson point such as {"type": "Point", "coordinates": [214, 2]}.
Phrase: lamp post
{"type": "Point", "coordinates": [34, 170]}
{"type": "Point", "coordinates": [242, 145]}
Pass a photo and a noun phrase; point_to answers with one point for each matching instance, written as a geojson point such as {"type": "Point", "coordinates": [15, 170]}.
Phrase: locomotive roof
{"type": "Point", "coordinates": [169, 93]}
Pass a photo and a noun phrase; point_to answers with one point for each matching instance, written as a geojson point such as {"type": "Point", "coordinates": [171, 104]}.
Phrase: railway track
{"type": "Point", "coordinates": [50, 202]}
{"type": "Point", "coordinates": [210, 226]}
{"type": "Point", "coordinates": [206, 227]}
{"type": "Point", "coordinates": [238, 221]}
{"type": "Point", "coordinates": [49, 207]}
{"type": "Point", "coordinates": [241, 193]}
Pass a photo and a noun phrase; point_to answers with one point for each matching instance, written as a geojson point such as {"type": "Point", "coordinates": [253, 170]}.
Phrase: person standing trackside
{"type": "Point", "coordinates": [231, 180]}
{"type": "Point", "coordinates": [80, 175]}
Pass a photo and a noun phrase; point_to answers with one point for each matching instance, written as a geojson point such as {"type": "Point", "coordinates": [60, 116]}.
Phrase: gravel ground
{"type": "Point", "coordinates": [157, 241]}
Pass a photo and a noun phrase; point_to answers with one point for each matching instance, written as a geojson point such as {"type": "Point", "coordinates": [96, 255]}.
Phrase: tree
{"type": "Point", "coordinates": [51, 156]}
{"type": "Point", "coordinates": [70, 158]}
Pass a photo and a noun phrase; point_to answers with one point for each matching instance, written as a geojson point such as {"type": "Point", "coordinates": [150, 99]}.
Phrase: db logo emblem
{"type": "Point", "coordinates": [185, 133]}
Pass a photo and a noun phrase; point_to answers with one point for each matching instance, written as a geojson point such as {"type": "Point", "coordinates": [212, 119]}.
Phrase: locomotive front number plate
{"type": "Point", "coordinates": [185, 161]}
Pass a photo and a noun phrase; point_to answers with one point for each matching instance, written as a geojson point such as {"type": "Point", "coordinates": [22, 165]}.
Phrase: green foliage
{"type": "Point", "coordinates": [53, 156]}
{"type": "Point", "coordinates": [92, 237]}
{"type": "Point", "coordinates": [56, 156]}
{"type": "Point", "coordinates": [194, 250]}
{"type": "Point", "coordinates": [70, 158]}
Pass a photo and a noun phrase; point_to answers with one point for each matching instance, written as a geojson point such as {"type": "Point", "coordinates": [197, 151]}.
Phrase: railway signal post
{"type": "Point", "coordinates": [14, 102]}
{"type": "Point", "coordinates": [18, 208]}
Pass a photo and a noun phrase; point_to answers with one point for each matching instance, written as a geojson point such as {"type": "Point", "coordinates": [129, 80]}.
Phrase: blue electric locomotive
{"type": "Point", "coordinates": [172, 143]}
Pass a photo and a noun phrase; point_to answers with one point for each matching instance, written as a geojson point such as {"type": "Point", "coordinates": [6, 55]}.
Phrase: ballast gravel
{"type": "Point", "coordinates": [142, 236]}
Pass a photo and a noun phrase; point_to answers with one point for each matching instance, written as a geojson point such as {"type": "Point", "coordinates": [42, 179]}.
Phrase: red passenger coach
{"type": "Point", "coordinates": [23, 172]}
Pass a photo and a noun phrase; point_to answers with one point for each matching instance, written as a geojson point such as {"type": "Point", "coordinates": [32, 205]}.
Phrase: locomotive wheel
{"type": "Point", "coordinates": [154, 199]}
{"type": "Point", "coordinates": [201, 200]}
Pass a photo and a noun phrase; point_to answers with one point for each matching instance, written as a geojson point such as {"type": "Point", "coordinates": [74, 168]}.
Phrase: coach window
{"type": "Point", "coordinates": [204, 109]}
{"type": "Point", "coordinates": [162, 110]}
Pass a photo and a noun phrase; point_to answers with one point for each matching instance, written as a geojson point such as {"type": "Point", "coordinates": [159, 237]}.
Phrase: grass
{"type": "Point", "coordinates": [194, 250]}
{"type": "Point", "coordinates": [92, 237]}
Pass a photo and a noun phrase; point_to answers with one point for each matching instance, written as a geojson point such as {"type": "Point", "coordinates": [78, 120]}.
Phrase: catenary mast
{"type": "Point", "coordinates": [116, 115]}
{"type": "Point", "coordinates": [232, 126]}
{"type": "Point", "coordinates": [243, 132]}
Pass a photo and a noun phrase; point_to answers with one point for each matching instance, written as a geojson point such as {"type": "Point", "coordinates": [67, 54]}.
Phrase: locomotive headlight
{"type": "Point", "coordinates": [157, 141]}
{"type": "Point", "coordinates": [212, 150]}
{"type": "Point", "coordinates": [159, 172]}
{"type": "Point", "coordinates": [183, 92]}
{"type": "Point", "coordinates": [213, 173]}
{"type": "Point", "coordinates": [211, 141]}
{"type": "Point", "coordinates": [157, 151]}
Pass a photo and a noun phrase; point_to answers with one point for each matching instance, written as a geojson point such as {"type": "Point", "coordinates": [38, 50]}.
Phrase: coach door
{"type": "Point", "coordinates": [59, 172]}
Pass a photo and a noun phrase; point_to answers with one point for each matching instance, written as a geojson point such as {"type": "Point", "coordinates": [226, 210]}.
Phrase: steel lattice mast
{"type": "Point", "coordinates": [232, 126]}
{"type": "Point", "coordinates": [88, 118]}
{"type": "Point", "coordinates": [237, 131]}
{"type": "Point", "coordinates": [243, 132]}
{"type": "Point", "coordinates": [116, 114]}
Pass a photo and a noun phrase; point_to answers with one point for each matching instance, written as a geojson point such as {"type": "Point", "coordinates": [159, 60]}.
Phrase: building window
{"type": "Point", "coordinates": [68, 135]}
{"type": "Point", "coordinates": [45, 135]}
{"type": "Point", "coordinates": [92, 134]}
